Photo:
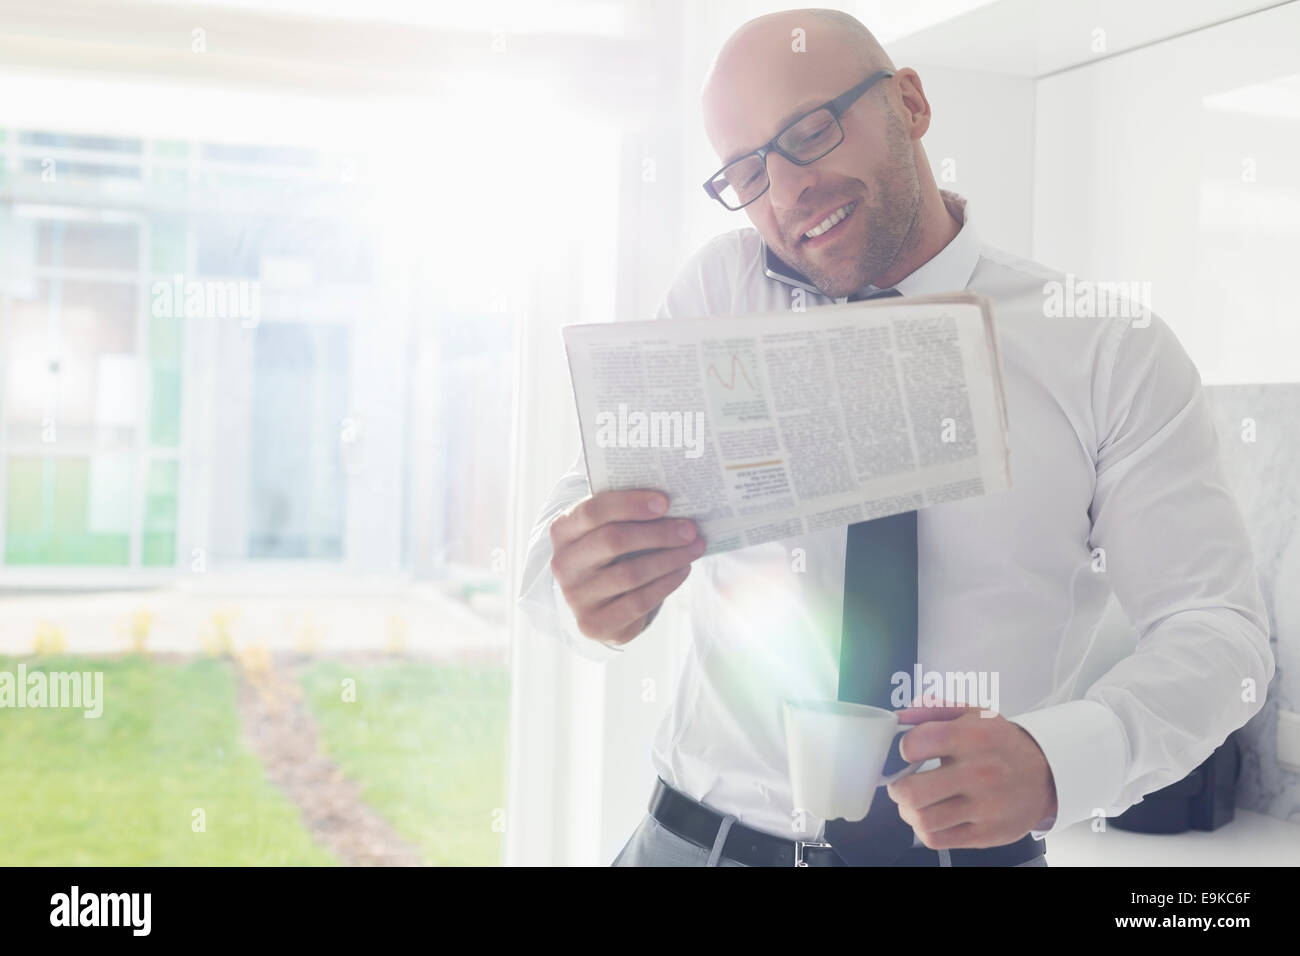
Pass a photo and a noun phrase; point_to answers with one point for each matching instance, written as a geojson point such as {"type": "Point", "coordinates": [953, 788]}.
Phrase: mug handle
{"type": "Point", "coordinates": [910, 768]}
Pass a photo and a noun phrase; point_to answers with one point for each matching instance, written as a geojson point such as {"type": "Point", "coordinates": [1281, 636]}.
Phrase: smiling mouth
{"type": "Point", "coordinates": [829, 224]}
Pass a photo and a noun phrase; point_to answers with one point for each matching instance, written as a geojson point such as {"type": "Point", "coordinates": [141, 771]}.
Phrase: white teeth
{"type": "Point", "coordinates": [829, 221]}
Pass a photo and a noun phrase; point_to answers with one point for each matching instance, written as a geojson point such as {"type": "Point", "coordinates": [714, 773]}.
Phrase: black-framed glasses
{"type": "Point", "coordinates": [806, 140]}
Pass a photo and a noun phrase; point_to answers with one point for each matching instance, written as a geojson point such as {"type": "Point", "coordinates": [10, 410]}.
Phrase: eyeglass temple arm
{"type": "Point", "coordinates": [844, 101]}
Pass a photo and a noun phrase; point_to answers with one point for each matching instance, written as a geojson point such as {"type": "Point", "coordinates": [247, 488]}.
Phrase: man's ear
{"type": "Point", "coordinates": [914, 106]}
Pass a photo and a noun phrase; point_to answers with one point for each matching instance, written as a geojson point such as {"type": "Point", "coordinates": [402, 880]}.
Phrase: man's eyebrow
{"type": "Point", "coordinates": [806, 106]}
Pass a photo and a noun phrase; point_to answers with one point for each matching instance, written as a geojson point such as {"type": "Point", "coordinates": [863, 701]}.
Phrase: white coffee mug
{"type": "Point", "coordinates": [837, 753]}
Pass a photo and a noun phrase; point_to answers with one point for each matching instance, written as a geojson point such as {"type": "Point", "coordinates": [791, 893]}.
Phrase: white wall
{"type": "Point", "coordinates": [983, 131]}
{"type": "Point", "coordinates": [1175, 165]}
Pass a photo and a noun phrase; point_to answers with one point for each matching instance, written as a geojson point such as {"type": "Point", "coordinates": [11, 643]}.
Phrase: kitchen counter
{"type": "Point", "coordinates": [1251, 839]}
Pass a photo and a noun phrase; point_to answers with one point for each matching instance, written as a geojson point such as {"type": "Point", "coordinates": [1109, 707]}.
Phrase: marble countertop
{"type": "Point", "coordinates": [1251, 839]}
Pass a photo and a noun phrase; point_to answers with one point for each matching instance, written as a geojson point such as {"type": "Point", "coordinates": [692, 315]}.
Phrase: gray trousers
{"type": "Point", "coordinates": [652, 845]}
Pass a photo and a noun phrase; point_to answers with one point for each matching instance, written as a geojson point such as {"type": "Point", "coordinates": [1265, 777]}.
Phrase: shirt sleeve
{"type": "Point", "coordinates": [1175, 549]}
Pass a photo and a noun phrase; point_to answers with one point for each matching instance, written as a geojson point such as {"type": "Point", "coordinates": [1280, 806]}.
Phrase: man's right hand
{"type": "Point", "coordinates": [611, 589]}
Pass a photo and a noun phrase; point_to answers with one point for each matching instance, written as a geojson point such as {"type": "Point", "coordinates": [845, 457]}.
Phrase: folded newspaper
{"type": "Point", "coordinates": [763, 427]}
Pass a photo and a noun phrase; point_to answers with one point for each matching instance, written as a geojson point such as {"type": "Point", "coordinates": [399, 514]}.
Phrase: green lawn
{"type": "Point", "coordinates": [427, 744]}
{"type": "Point", "coordinates": [121, 789]}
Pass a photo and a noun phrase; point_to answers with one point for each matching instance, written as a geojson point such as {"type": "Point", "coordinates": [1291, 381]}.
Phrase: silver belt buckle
{"type": "Point", "coordinates": [798, 850]}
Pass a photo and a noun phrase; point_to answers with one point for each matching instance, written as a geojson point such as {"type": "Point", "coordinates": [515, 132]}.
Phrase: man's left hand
{"type": "Point", "coordinates": [992, 786]}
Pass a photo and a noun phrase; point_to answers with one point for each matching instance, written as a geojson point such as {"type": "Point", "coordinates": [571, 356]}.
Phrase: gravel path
{"type": "Point", "coordinates": [281, 731]}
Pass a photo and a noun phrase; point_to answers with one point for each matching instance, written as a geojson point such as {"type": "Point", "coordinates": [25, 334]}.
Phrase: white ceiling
{"type": "Point", "coordinates": [359, 44]}
{"type": "Point", "coordinates": [583, 17]}
{"type": "Point", "coordinates": [1038, 37]}
{"type": "Point", "coordinates": [362, 47]}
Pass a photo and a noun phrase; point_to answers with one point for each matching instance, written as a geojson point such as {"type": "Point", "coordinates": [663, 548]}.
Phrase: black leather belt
{"type": "Point", "coordinates": [699, 824]}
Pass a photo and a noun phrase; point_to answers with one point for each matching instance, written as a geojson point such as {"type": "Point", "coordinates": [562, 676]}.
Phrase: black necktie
{"type": "Point", "coordinates": [877, 640]}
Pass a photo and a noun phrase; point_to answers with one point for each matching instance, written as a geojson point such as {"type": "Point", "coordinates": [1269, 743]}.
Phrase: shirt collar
{"type": "Point", "coordinates": [950, 269]}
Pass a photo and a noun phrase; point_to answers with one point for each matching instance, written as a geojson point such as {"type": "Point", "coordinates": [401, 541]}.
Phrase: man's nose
{"type": "Point", "coordinates": [788, 180]}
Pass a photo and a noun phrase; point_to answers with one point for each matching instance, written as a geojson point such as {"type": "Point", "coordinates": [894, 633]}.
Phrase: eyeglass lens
{"type": "Point", "coordinates": [810, 139]}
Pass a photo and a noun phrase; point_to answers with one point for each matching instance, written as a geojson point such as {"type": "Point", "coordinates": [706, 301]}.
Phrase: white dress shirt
{"type": "Point", "coordinates": [1112, 448]}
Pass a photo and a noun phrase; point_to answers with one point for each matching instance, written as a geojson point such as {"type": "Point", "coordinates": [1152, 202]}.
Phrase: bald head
{"type": "Point", "coordinates": [794, 50]}
{"type": "Point", "coordinates": [826, 34]}
{"type": "Point", "coordinates": [778, 67]}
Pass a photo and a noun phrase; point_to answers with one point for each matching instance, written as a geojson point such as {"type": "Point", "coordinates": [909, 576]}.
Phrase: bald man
{"type": "Point", "coordinates": [1113, 455]}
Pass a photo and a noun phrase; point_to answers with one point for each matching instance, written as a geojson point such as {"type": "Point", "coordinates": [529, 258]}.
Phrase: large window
{"type": "Point", "coordinates": [219, 392]}
{"type": "Point", "coordinates": [113, 249]}
{"type": "Point", "coordinates": [265, 309]}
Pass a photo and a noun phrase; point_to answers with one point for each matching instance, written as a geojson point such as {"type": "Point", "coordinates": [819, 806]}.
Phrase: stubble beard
{"type": "Point", "coordinates": [891, 220]}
